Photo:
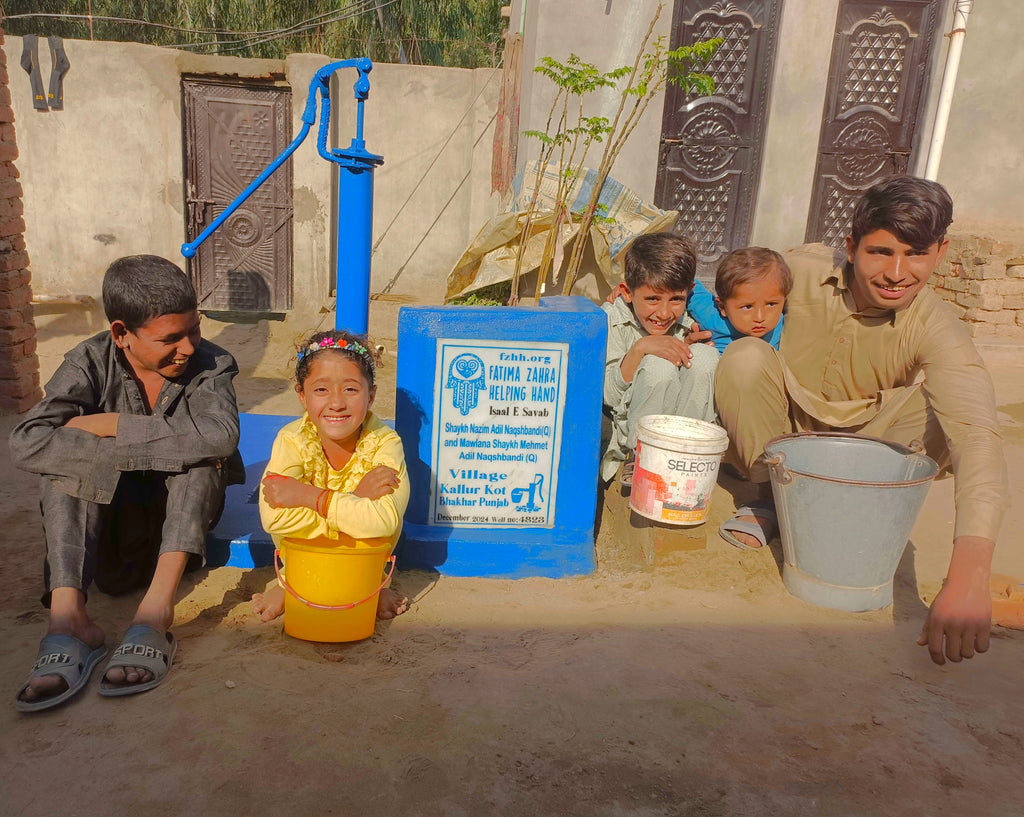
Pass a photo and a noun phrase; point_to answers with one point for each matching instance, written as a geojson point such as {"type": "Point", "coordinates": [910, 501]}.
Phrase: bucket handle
{"type": "Point", "coordinates": [779, 470]}
{"type": "Point", "coordinates": [313, 604]}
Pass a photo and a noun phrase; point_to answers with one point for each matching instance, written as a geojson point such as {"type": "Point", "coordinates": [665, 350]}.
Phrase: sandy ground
{"type": "Point", "coordinates": [696, 686]}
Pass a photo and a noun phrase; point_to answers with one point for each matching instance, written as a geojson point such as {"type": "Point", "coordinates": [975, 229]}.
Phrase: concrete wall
{"type": "Point", "coordinates": [606, 33]}
{"type": "Point", "coordinates": [982, 162]}
{"type": "Point", "coordinates": [797, 99]}
{"type": "Point", "coordinates": [103, 178]}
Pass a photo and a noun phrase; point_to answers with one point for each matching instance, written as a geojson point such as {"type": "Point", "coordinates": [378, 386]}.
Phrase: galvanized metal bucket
{"type": "Point", "coordinates": [846, 505]}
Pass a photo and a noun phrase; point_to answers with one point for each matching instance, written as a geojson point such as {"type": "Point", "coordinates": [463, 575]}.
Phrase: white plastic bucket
{"type": "Point", "coordinates": [676, 469]}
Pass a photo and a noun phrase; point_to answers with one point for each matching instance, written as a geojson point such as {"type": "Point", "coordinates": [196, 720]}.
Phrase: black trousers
{"type": "Point", "coordinates": [117, 545]}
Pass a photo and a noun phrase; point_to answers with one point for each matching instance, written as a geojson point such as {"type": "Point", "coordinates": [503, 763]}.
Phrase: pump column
{"type": "Point", "coordinates": [355, 237]}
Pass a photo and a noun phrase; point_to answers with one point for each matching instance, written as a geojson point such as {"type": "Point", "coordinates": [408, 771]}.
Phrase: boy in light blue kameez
{"type": "Point", "coordinates": [651, 366]}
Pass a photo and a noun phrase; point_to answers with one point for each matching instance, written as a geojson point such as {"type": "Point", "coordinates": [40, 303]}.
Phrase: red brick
{"type": "Point", "coordinates": [13, 226]}
{"type": "Point", "coordinates": [16, 298]}
{"type": "Point", "coordinates": [9, 208]}
{"type": "Point", "coordinates": [6, 111]}
{"type": "Point", "coordinates": [22, 368]}
{"type": "Point", "coordinates": [20, 388]}
{"type": "Point", "coordinates": [5, 95]}
{"type": "Point", "coordinates": [10, 188]}
{"type": "Point", "coordinates": [11, 357]}
{"type": "Point", "coordinates": [7, 133]}
{"type": "Point", "coordinates": [10, 337]}
{"type": "Point", "coordinates": [4, 79]}
{"type": "Point", "coordinates": [14, 261]}
{"type": "Point", "coordinates": [8, 151]}
{"type": "Point", "coordinates": [11, 319]}
{"type": "Point", "coordinates": [11, 281]}
{"type": "Point", "coordinates": [8, 170]}
{"type": "Point", "coordinates": [29, 346]}
{"type": "Point", "coordinates": [19, 405]}
{"type": "Point", "coordinates": [11, 243]}
{"type": "Point", "coordinates": [15, 317]}
{"type": "Point", "coordinates": [24, 384]}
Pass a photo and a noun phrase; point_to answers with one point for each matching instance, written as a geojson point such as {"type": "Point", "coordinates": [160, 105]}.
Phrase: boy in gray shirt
{"type": "Point", "coordinates": [135, 441]}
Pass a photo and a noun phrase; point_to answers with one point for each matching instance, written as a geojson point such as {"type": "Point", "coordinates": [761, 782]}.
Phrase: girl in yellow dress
{"type": "Point", "coordinates": [338, 468]}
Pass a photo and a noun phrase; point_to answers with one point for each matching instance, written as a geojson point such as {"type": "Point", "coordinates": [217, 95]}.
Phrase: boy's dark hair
{"type": "Point", "coordinates": [663, 261]}
{"type": "Point", "coordinates": [138, 288]}
{"type": "Point", "coordinates": [357, 348]}
{"type": "Point", "coordinates": [916, 211]}
{"type": "Point", "coordinates": [750, 264]}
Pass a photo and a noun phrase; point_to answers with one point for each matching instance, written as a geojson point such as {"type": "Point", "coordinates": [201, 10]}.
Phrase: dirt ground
{"type": "Point", "coordinates": [697, 686]}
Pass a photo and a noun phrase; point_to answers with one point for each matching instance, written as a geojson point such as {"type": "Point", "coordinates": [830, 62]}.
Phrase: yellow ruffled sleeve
{"type": "Point", "coordinates": [286, 458]}
{"type": "Point", "coordinates": [371, 518]}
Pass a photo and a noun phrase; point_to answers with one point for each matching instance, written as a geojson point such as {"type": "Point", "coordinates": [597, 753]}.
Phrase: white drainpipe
{"type": "Point", "coordinates": [961, 9]}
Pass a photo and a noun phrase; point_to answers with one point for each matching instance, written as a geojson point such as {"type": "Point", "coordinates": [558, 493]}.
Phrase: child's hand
{"type": "Point", "coordinates": [287, 492]}
{"type": "Point", "coordinates": [379, 482]}
{"type": "Point", "coordinates": [102, 425]}
{"type": "Point", "coordinates": [697, 335]}
{"type": "Point", "coordinates": [672, 349]}
{"type": "Point", "coordinates": [620, 290]}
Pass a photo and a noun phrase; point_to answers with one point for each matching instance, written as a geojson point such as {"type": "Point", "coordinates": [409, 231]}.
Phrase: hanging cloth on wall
{"type": "Point", "coordinates": [506, 129]}
{"type": "Point", "coordinates": [30, 62]}
{"type": "Point", "coordinates": [59, 65]}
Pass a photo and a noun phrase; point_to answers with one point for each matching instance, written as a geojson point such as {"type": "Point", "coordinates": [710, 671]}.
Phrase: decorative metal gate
{"type": "Point", "coordinates": [232, 132]}
{"type": "Point", "coordinates": [709, 163]}
{"type": "Point", "coordinates": [876, 88]}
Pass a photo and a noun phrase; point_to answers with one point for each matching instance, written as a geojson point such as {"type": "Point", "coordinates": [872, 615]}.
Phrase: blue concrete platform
{"type": "Point", "coordinates": [239, 540]}
{"type": "Point", "coordinates": [499, 410]}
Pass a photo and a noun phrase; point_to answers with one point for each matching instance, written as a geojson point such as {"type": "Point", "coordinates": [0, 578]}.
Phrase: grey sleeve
{"type": "Point", "coordinates": [614, 386]}
{"type": "Point", "coordinates": [83, 463]}
{"type": "Point", "coordinates": [203, 427]}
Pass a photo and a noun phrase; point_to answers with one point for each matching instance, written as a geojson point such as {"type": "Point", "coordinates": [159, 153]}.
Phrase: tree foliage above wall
{"type": "Point", "coordinates": [459, 33]}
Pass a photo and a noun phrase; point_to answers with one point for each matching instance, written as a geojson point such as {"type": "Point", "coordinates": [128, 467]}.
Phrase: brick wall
{"type": "Point", "coordinates": [983, 280]}
{"type": "Point", "coordinates": [19, 365]}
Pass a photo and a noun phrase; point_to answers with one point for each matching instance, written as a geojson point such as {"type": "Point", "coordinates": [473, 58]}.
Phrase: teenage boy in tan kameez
{"type": "Point", "coordinates": [869, 348]}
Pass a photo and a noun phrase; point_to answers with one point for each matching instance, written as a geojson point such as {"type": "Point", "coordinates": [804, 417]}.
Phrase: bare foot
{"type": "Point", "coordinates": [78, 626]}
{"type": "Point", "coordinates": [767, 524]}
{"type": "Point", "coordinates": [391, 603]}
{"type": "Point", "coordinates": [268, 605]}
{"type": "Point", "coordinates": [157, 615]}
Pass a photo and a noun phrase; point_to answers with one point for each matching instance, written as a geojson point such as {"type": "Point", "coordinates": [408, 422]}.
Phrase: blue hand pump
{"type": "Point", "coordinates": [355, 196]}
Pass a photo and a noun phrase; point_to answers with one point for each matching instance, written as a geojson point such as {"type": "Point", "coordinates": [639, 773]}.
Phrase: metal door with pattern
{"type": "Point", "coordinates": [709, 163]}
{"type": "Point", "coordinates": [876, 87]}
{"type": "Point", "coordinates": [232, 132]}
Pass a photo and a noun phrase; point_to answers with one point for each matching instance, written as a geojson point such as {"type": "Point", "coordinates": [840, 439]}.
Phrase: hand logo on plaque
{"type": "Point", "coordinates": [466, 380]}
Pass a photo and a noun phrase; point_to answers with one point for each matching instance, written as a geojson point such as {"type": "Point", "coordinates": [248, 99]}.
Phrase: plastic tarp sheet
{"type": "Point", "coordinates": [491, 257]}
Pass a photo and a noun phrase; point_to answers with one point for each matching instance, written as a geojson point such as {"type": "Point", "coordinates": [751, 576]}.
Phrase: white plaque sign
{"type": "Point", "coordinates": [498, 412]}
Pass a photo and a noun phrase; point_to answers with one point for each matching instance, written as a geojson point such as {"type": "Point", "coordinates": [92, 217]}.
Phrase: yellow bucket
{"type": "Point", "coordinates": [331, 586]}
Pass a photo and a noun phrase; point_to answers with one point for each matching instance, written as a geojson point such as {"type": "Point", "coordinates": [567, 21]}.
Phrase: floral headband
{"type": "Point", "coordinates": [341, 345]}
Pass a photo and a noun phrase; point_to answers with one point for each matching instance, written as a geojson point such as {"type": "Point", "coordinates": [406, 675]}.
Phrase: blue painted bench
{"type": "Point", "coordinates": [238, 540]}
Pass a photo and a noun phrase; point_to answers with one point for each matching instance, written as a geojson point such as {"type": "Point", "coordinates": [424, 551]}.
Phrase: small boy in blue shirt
{"type": "Point", "coordinates": [751, 286]}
